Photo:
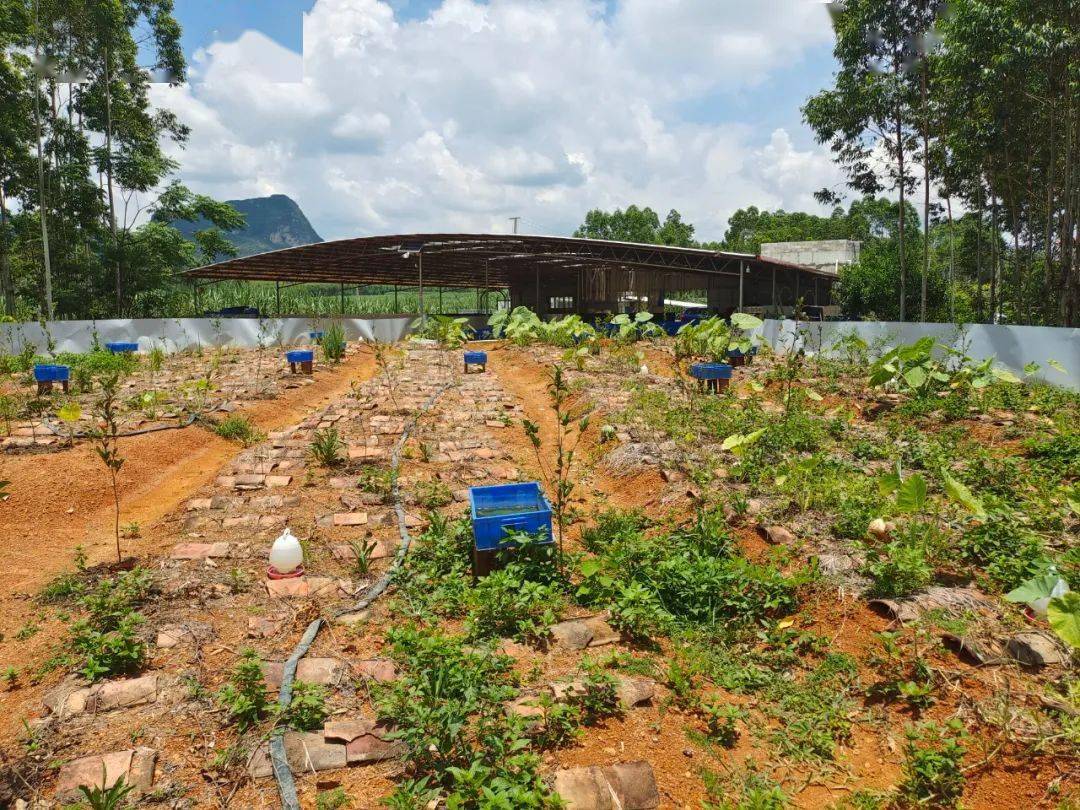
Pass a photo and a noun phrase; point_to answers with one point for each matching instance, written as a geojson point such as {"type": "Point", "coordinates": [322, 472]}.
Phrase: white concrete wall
{"type": "Point", "coordinates": [824, 254]}
{"type": "Point", "coordinates": [182, 333]}
{"type": "Point", "coordinates": [1012, 346]}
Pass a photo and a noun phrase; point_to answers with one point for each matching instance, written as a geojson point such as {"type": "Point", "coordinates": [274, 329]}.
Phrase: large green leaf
{"type": "Point", "coordinates": [962, 495]}
{"type": "Point", "coordinates": [912, 494]}
{"type": "Point", "coordinates": [738, 442]}
{"type": "Point", "coordinates": [915, 376]}
{"type": "Point", "coordinates": [1064, 616]}
{"type": "Point", "coordinates": [1034, 589]}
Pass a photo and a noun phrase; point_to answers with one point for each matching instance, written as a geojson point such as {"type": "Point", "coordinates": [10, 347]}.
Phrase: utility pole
{"type": "Point", "coordinates": [515, 221]}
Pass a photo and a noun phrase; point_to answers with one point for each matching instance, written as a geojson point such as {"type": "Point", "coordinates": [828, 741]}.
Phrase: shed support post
{"type": "Point", "coordinates": [277, 299]}
{"type": "Point", "coordinates": [397, 310]}
{"type": "Point", "coordinates": [815, 291]}
{"type": "Point", "coordinates": [440, 301]}
{"type": "Point", "coordinates": [538, 289]}
{"type": "Point", "coordinates": [420, 266]}
{"type": "Point", "coordinates": [198, 308]}
{"type": "Point", "coordinates": [742, 267]}
{"type": "Point", "coordinates": [342, 298]}
{"type": "Point", "coordinates": [774, 312]}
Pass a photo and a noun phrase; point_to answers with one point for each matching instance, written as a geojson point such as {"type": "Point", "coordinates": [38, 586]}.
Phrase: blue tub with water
{"type": "Point", "coordinates": [122, 347]}
{"type": "Point", "coordinates": [507, 508]}
{"type": "Point", "coordinates": [45, 372]}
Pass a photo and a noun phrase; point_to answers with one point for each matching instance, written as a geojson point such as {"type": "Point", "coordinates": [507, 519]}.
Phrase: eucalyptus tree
{"type": "Point", "coordinates": [868, 117]}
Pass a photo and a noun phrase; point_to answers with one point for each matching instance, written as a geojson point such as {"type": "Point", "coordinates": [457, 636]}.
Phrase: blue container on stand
{"type": "Point", "coordinates": [715, 376]}
{"type": "Point", "coordinates": [475, 359]}
{"type": "Point", "coordinates": [501, 509]}
{"type": "Point", "coordinates": [122, 347]}
{"type": "Point", "coordinates": [302, 357]}
{"type": "Point", "coordinates": [45, 374]}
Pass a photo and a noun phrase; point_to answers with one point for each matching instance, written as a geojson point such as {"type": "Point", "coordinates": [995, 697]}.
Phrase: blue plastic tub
{"type": "Point", "coordinates": [44, 372]}
{"type": "Point", "coordinates": [315, 335]}
{"type": "Point", "coordinates": [300, 356]}
{"type": "Point", "coordinates": [121, 347]}
{"type": "Point", "coordinates": [711, 371]}
{"type": "Point", "coordinates": [508, 508]}
{"type": "Point", "coordinates": [476, 358]}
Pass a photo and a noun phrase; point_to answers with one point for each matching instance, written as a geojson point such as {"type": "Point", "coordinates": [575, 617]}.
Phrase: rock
{"type": "Point", "coordinates": [263, 627]}
{"type": "Point", "coordinates": [364, 739]}
{"type": "Point", "coordinates": [635, 691]}
{"type": "Point", "coordinates": [308, 751]}
{"type": "Point", "coordinates": [380, 670]}
{"type": "Point", "coordinates": [627, 786]}
{"type": "Point", "coordinates": [172, 635]}
{"type": "Point", "coordinates": [572, 635]}
{"type": "Point", "coordinates": [323, 671]}
{"type": "Point", "coordinates": [199, 551]}
{"type": "Point", "coordinates": [350, 519]}
{"type": "Point", "coordinates": [122, 694]}
{"type": "Point", "coordinates": [88, 771]}
{"type": "Point", "coordinates": [141, 772]}
{"type": "Point", "coordinates": [565, 691]}
{"type": "Point", "coordinates": [878, 528]}
{"type": "Point", "coordinates": [602, 632]}
{"type": "Point", "coordinates": [1034, 650]}
{"type": "Point", "coordinates": [778, 535]}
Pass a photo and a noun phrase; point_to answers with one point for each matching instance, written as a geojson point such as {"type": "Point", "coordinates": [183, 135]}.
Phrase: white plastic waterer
{"type": "Point", "coordinates": [286, 555]}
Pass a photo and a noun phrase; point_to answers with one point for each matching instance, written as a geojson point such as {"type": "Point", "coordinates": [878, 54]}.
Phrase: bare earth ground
{"type": "Point", "coordinates": [166, 473]}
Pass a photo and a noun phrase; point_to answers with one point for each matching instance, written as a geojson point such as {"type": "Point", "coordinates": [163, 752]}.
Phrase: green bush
{"type": "Point", "coordinates": [326, 447]}
{"type": "Point", "coordinates": [107, 639]}
{"type": "Point", "coordinates": [1009, 551]}
{"type": "Point", "coordinates": [900, 568]}
{"type": "Point", "coordinates": [245, 698]}
{"type": "Point", "coordinates": [933, 759]}
{"type": "Point", "coordinates": [238, 429]}
{"type": "Point", "coordinates": [307, 709]}
{"type": "Point", "coordinates": [333, 343]}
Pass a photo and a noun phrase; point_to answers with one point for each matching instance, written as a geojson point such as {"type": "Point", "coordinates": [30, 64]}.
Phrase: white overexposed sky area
{"type": "Point", "coordinates": [418, 116]}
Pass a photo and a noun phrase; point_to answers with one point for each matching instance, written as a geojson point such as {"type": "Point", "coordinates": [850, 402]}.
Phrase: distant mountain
{"type": "Point", "coordinates": [273, 223]}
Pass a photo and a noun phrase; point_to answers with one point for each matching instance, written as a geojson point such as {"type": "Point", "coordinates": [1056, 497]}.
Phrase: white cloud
{"type": "Point", "coordinates": [485, 110]}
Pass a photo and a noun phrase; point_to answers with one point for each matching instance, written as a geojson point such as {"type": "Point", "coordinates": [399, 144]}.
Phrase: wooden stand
{"type": "Point", "coordinates": [305, 367]}
{"type": "Point", "coordinates": [45, 386]}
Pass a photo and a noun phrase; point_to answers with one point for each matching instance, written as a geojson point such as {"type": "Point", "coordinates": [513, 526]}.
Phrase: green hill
{"type": "Point", "coordinates": [273, 223]}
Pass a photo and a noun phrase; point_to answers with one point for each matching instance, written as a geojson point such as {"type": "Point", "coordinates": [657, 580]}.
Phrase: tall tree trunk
{"type": "Point", "coordinates": [109, 177]}
{"type": "Point", "coordinates": [7, 286]}
{"type": "Point", "coordinates": [900, 215]}
{"type": "Point", "coordinates": [978, 256]}
{"type": "Point", "coordinates": [926, 186]}
{"type": "Point", "coordinates": [952, 261]}
{"type": "Point", "coordinates": [43, 209]}
{"type": "Point", "coordinates": [995, 244]}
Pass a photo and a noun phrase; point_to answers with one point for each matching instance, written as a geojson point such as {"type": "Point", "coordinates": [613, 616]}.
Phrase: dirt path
{"type": "Point", "coordinates": [61, 500]}
{"type": "Point", "coordinates": [528, 380]}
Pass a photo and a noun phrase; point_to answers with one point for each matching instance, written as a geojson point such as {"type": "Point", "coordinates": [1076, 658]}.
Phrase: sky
{"type": "Point", "coordinates": [400, 116]}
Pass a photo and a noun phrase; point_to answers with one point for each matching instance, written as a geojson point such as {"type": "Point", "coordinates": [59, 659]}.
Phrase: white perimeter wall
{"type": "Point", "coordinates": [1012, 346]}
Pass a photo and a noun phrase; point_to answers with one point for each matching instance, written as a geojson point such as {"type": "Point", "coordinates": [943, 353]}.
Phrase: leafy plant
{"type": "Point", "coordinates": [99, 797]}
{"type": "Point", "coordinates": [362, 550]}
{"type": "Point", "coordinates": [933, 773]}
{"type": "Point", "coordinates": [447, 331]}
{"type": "Point", "coordinates": [333, 343]}
{"type": "Point", "coordinates": [238, 428]}
{"type": "Point", "coordinates": [520, 325]}
{"type": "Point", "coordinates": [1063, 613]}
{"type": "Point", "coordinates": [106, 440]}
{"type": "Point", "coordinates": [629, 329]}
{"type": "Point", "coordinates": [245, 697]}
{"type": "Point", "coordinates": [721, 720]}
{"type": "Point", "coordinates": [572, 424]}
{"type": "Point", "coordinates": [742, 332]}
{"type": "Point", "coordinates": [326, 447]}
{"type": "Point", "coordinates": [307, 709]}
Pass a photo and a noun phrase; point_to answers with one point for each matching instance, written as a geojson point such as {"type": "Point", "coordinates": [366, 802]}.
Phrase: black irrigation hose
{"type": "Point", "coordinates": [278, 760]}
{"type": "Point", "coordinates": [179, 426]}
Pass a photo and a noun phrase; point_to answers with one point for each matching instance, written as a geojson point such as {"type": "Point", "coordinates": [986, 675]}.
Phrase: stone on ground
{"type": "Point", "coordinates": [627, 786]}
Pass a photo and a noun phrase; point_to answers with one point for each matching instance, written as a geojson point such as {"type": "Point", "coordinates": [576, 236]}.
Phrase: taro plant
{"type": "Point", "coordinates": [447, 331]}
{"type": "Point", "coordinates": [708, 339]}
{"type": "Point", "coordinates": [743, 338]}
{"type": "Point", "coordinates": [632, 328]}
{"type": "Point", "coordinates": [106, 438]}
{"type": "Point", "coordinates": [520, 325]}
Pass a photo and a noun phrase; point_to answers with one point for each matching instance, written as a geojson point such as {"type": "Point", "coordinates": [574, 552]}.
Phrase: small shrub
{"type": "Point", "coordinates": [599, 700]}
{"type": "Point", "coordinates": [933, 773]}
{"type": "Point", "coordinates": [102, 798]}
{"type": "Point", "coordinates": [116, 651]}
{"type": "Point", "coordinates": [336, 799]}
{"type": "Point", "coordinates": [326, 447]}
{"type": "Point", "coordinates": [900, 568]}
{"type": "Point", "coordinates": [720, 722]}
{"type": "Point", "coordinates": [433, 494]}
{"type": "Point", "coordinates": [238, 429]}
{"type": "Point", "coordinates": [307, 709]}
{"type": "Point", "coordinates": [245, 697]}
{"type": "Point", "coordinates": [333, 343]}
{"type": "Point", "coordinates": [363, 549]}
